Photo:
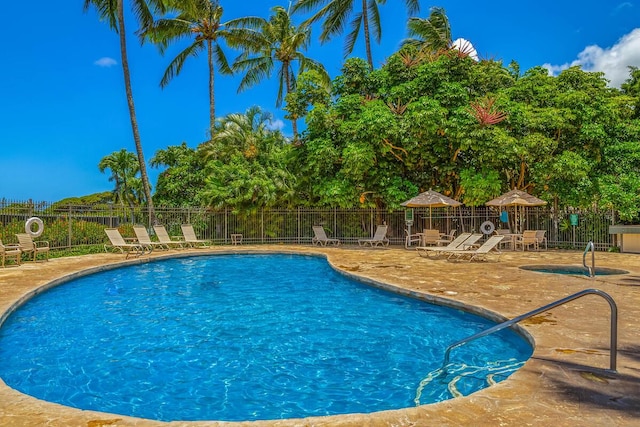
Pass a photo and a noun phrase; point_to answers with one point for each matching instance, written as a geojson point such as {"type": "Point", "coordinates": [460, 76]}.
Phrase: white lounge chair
{"type": "Point", "coordinates": [480, 254]}
{"type": "Point", "coordinates": [379, 238]}
{"type": "Point", "coordinates": [456, 243]}
{"type": "Point", "coordinates": [320, 237]}
{"type": "Point", "coordinates": [191, 239]}
{"type": "Point", "coordinates": [27, 245]}
{"type": "Point", "coordinates": [164, 238]}
{"type": "Point", "coordinates": [117, 242]}
{"type": "Point", "coordinates": [145, 240]}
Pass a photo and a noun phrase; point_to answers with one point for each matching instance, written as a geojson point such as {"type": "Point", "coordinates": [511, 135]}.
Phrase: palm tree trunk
{"type": "Point", "coordinates": [212, 95]}
{"type": "Point", "coordinates": [367, 38]}
{"type": "Point", "coordinates": [294, 122]}
{"type": "Point", "coordinates": [132, 113]}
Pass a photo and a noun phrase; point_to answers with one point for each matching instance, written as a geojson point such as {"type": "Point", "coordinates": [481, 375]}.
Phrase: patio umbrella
{"type": "Point", "coordinates": [430, 199]}
{"type": "Point", "coordinates": [516, 198]}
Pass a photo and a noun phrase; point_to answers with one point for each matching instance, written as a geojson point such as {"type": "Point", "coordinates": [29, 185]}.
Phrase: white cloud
{"type": "Point", "coordinates": [105, 62]}
{"type": "Point", "coordinates": [614, 61]}
{"type": "Point", "coordinates": [276, 124]}
{"type": "Point", "coordinates": [619, 8]}
{"type": "Point", "coordinates": [465, 46]}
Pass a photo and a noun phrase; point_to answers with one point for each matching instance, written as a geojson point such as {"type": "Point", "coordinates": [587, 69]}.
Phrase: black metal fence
{"type": "Point", "coordinates": [67, 226]}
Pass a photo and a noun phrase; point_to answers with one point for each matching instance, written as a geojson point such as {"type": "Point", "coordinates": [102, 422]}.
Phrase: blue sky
{"type": "Point", "coordinates": [63, 108]}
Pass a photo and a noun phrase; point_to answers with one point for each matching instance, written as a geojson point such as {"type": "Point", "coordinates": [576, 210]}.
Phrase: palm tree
{"type": "Point", "coordinates": [336, 12]}
{"type": "Point", "coordinates": [237, 132]}
{"type": "Point", "coordinates": [275, 40]}
{"type": "Point", "coordinates": [113, 12]}
{"type": "Point", "coordinates": [124, 168]}
{"type": "Point", "coordinates": [199, 20]}
{"type": "Point", "coordinates": [433, 34]}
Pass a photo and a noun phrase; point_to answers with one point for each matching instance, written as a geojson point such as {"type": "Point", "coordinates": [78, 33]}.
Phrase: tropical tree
{"type": "Point", "coordinates": [200, 21]}
{"type": "Point", "coordinates": [276, 40]}
{"type": "Point", "coordinates": [247, 163]}
{"type": "Point", "coordinates": [124, 168]}
{"type": "Point", "coordinates": [182, 182]}
{"type": "Point", "coordinates": [113, 12]}
{"type": "Point", "coordinates": [336, 12]}
{"type": "Point", "coordinates": [432, 34]}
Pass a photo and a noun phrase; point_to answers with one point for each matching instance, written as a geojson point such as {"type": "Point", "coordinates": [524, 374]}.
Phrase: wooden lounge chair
{"type": "Point", "coordinates": [191, 239]}
{"type": "Point", "coordinates": [320, 237]}
{"type": "Point", "coordinates": [379, 238]}
{"type": "Point", "coordinates": [457, 243]}
{"type": "Point", "coordinates": [165, 239]}
{"type": "Point", "coordinates": [480, 254]}
{"type": "Point", "coordinates": [117, 242]}
{"type": "Point", "coordinates": [27, 245]}
{"type": "Point", "coordinates": [10, 251]}
{"type": "Point", "coordinates": [528, 239]}
{"type": "Point", "coordinates": [145, 240]}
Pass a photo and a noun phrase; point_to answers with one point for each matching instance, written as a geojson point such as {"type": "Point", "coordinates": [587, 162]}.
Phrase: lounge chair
{"type": "Point", "coordinates": [379, 239]}
{"type": "Point", "coordinates": [320, 237]}
{"type": "Point", "coordinates": [27, 245]}
{"type": "Point", "coordinates": [528, 239]}
{"type": "Point", "coordinates": [540, 237]}
{"type": "Point", "coordinates": [145, 240]}
{"type": "Point", "coordinates": [191, 239]}
{"type": "Point", "coordinates": [10, 251]}
{"type": "Point", "coordinates": [117, 242]}
{"type": "Point", "coordinates": [165, 239]}
{"type": "Point", "coordinates": [456, 243]}
{"type": "Point", "coordinates": [480, 254]}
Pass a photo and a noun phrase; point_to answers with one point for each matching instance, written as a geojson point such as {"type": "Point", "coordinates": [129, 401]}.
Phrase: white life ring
{"type": "Point", "coordinates": [487, 227]}
{"type": "Point", "coordinates": [28, 226]}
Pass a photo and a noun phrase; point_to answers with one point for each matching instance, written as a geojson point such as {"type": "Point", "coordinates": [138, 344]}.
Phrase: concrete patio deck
{"type": "Point", "coordinates": [565, 383]}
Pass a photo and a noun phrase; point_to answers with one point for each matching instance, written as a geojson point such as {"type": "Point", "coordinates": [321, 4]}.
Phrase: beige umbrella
{"type": "Point", "coordinates": [430, 199]}
{"type": "Point", "coordinates": [516, 198]}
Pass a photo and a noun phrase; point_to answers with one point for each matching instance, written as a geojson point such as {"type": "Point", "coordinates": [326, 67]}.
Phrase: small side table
{"type": "Point", "coordinates": [236, 239]}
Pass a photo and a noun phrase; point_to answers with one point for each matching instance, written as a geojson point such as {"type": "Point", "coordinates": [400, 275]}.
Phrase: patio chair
{"type": "Point", "coordinates": [145, 240]}
{"type": "Point", "coordinates": [424, 251]}
{"type": "Point", "coordinates": [527, 240]}
{"type": "Point", "coordinates": [118, 242]}
{"type": "Point", "coordinates": [430, 237]}
{"type": "Point", "coordinates": [10, 251]}
{"type": "Point", "coordinates": [411, 238]}
{"type": "Point", "coordinates": [541, 237]}
{"type": "Point", "coordinates": [165, 239]}
{"type": "Point", "coordinates": [379, 238]}
{"type": "Point", "coordinates": [27, 246]}
{"type": "Point", "coordinates": [490, 246]}
{"type": "Point", "coordinates": [320, 237]}
{"type": "Point", "coordinates": [445, 239]}
{"type": "Point", "coordinates": [191, 239]}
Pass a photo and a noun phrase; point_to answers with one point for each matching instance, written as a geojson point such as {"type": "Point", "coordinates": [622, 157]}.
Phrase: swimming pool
{"type": "Point", "coordinates": [242, 338]}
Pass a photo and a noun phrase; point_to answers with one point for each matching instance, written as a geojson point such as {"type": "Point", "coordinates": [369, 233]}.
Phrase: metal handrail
{"type": "Point", "coordinates": [614, 325]}
{"type": "Point", "coordinates": [592, 269]}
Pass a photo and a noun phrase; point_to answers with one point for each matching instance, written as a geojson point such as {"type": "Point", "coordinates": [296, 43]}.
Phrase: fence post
{"type": "Point", "coordinates": [70, 235]}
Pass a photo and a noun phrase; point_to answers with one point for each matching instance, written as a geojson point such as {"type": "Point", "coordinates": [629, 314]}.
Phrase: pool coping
{"type": "Point", "coordinates": [565, 374]}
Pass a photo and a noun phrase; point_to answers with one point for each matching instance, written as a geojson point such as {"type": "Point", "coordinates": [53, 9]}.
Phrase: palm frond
{"type": "Point", "coordinates": [221, 60]}
{"type": "Point", "coordinates": [176, 65]}
{"type": "Point", "coordinates": [374, 19]}
{"type": "Point", "coordinates": [350, 41]}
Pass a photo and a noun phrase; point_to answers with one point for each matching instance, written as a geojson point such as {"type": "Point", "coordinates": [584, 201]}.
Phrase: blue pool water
{"type": "Point", "coordinates": [243, 337]}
